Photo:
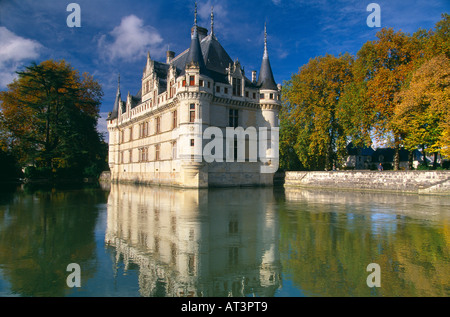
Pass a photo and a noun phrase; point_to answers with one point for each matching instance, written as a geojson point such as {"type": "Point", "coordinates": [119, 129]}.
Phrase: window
{"type": "Point", "coordinates": [261, 96]}
{"type": "Point", "coordinates": [217, 88]}
{"type": "Point", "coordinates": [233, 118]}
{"type": "Point", "coordinates": [209, 84]}
{"type": "Point", "coordinates": [184, 82]}
{"type": "Point", "coordinates": [246, 94]}
{"type": "Point", "coordinates": [271, 96]}
{"type": "Point", "coordinates": [225, 90]}
{"type": "Point", "coordinates": [174, 119]}
{"type": "Point", "coordinates": [174, 149]}
{"type": "Point", "coordinates": [157, 148]}
{"type": "Point", "coordinates": [200, 83]}
{"type": "Point", "coordinates": [158, 125]}
{"type": "Point", "coordinates": [254, 95]}
{"type": "Point", "coordinates": [191, 80]}
{"type": "Point", "coordinates": [192, 142]}
{"type": "Point", "coordinates": [143, 130]}
{"type": "Point", "coordinates": [236, 86]}
{"type": "Point", "coordinates": [143, 154]}
{"type": "Point", "coordinates": [191, 112]}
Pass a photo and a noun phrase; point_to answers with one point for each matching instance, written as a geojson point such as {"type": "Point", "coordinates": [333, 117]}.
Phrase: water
{"type": "Point", "coordinates": [155, 241]}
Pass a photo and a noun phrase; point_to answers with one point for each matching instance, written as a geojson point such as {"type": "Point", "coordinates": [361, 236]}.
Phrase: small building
{"type": "Point", "coordinates": [158, 135]}
{"type": "Point", "coordinates": [359, 157]}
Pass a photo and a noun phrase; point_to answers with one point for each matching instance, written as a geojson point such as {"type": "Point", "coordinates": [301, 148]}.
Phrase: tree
{"type": "Point", "coordinates": [440, 38]}
{"type": "Point", "coordinates": [51, 115]}
{"type": "Point", "coordinates": [384, 65]}
{"type": "Point", "coordinates": [311, 99]}
{"type": "Point", "coordinates": [423, 110]}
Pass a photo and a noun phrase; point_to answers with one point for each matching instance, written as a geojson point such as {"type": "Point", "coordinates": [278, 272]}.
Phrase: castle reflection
{"type": "Point", "coordinates": [196, 242]}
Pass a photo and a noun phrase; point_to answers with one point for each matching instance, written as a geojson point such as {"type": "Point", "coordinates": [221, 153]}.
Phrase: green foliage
{"type": "Point", "coordinates": [50, 117]}
{"type": "Point", "coordinates": [311, 118]}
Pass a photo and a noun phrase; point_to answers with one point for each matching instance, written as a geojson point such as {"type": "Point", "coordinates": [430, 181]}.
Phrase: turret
{"type": "Point", "coordinates": [115, 112]}
{"type": "Point", "coordinates": [266, 80]}
{"type": "Point", "coordinates": [195, 56]}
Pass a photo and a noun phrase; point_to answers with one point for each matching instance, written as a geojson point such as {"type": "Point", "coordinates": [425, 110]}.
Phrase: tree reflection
{"type": "Point", "coordinates": [44, 231]}
{"type": "Point", "coordinates": [329, 238]}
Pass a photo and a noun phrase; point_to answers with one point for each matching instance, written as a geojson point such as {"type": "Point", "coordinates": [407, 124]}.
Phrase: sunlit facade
{"type": "Point", "coordinates": [156, 136]}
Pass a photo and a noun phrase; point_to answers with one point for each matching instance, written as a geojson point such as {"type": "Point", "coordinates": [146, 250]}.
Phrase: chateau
{"type": "Point", "coordinates": [160, 135]}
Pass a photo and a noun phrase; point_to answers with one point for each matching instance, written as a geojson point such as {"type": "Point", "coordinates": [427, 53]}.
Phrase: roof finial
{"type": "Point", "coordinates": [265, 40]}
{"type": "Point", "coordinates": [212, 20]}
{"type": "Point", "coordinates": [195, 14]}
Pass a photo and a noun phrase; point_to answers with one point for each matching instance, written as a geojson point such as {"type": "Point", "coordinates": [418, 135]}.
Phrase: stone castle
{"type": "Point", "coordinates": [157, 136]}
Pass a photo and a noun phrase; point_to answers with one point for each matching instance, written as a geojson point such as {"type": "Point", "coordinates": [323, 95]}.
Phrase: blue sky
{"type": "Point", "coordinates": [115, 35]}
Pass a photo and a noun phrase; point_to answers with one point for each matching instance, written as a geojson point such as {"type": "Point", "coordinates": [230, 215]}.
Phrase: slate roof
{"type": "Point", "coordinates": [115, 112]}
{"type": "Point", "coordinates": [213, 61]}
{"type": "Point", "coordinates": [265, 79]}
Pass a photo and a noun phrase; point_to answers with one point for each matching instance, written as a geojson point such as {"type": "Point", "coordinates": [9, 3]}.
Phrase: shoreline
{"type": "Point", "coordinates": [412, 182]}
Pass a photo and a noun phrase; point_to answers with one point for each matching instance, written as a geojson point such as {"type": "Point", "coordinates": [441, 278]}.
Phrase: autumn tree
{"type": "Point", "coordinates": [439, 42]}
{"type": "Point", "coordinates": [423, 111]}
{"type": "Point", "coordinates": [384, 66]}
{"type": "Point", "coordinates": [311, 99]}
{"type": "Point", "coordinates": [50, 114]}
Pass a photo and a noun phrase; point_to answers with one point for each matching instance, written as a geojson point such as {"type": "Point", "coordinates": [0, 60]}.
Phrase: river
{"type": "Point", "coordinates": [133, 241]}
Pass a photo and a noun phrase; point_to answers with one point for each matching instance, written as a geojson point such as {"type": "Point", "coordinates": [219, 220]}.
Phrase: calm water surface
{"type": "Point", "coordinates": [155, 241]}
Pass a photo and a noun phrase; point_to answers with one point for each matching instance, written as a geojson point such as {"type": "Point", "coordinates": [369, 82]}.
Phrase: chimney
{"type": "Point", "coordinates": [169, 56]}
{"type": "Point", "coordinates": [202, 32]}
{"type": "Point", "coordinates": [254, 76]}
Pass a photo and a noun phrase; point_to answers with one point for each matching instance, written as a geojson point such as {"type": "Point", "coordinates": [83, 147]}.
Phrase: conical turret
{"type": "Point", "coordinates": [266, 80]}
{"type": "Point", "coordinates": [195, 56]}
{"type": "Point", "coordinates": [115, 112]}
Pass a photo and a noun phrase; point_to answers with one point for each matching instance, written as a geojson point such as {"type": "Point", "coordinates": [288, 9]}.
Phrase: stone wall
{"type": "Point", "coordinates": [421, 182]}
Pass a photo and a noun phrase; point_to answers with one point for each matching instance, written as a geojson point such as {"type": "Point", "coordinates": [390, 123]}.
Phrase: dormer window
{"type": "Point", "coordinates": [236, 86]}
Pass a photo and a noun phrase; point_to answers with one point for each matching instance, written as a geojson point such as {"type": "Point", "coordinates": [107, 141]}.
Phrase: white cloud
{"type": "Point", "coordinates": [220, 15]}
{"type": "Point", "coordinates": [14, 50]}
{"type": "Point", "coordinates": [131, 40]}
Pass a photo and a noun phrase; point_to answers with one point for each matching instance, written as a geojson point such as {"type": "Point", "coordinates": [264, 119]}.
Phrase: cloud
{"type": "Point", "coordinates": [220, 15]}
{"type": "Point", "coordinates": [131, 40]}
{"type": "Point", "coordinates": [13, 52]}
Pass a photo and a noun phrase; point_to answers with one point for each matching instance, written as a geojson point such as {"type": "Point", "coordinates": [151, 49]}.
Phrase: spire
{"type": "Point", "coordinates": [212, 21]}
{"type": "Point", "coordinates": [266, 54]}
{"type": "Point", "coordinates": [266, 80]}
{"type": "Point", "coordinates": [195, 55]}
{"type": "Point", "coordinates": [195, 15]}
{"type": "Point", "coordinates": [115, 112]}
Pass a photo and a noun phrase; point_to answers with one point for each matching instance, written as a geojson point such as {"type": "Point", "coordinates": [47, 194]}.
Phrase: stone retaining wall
{"type": "Point", "coordinates": [420, 182]}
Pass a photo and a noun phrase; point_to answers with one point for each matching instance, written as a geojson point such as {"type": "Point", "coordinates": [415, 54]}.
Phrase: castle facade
{"type": "Point", "coordinates": [197, 121]}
